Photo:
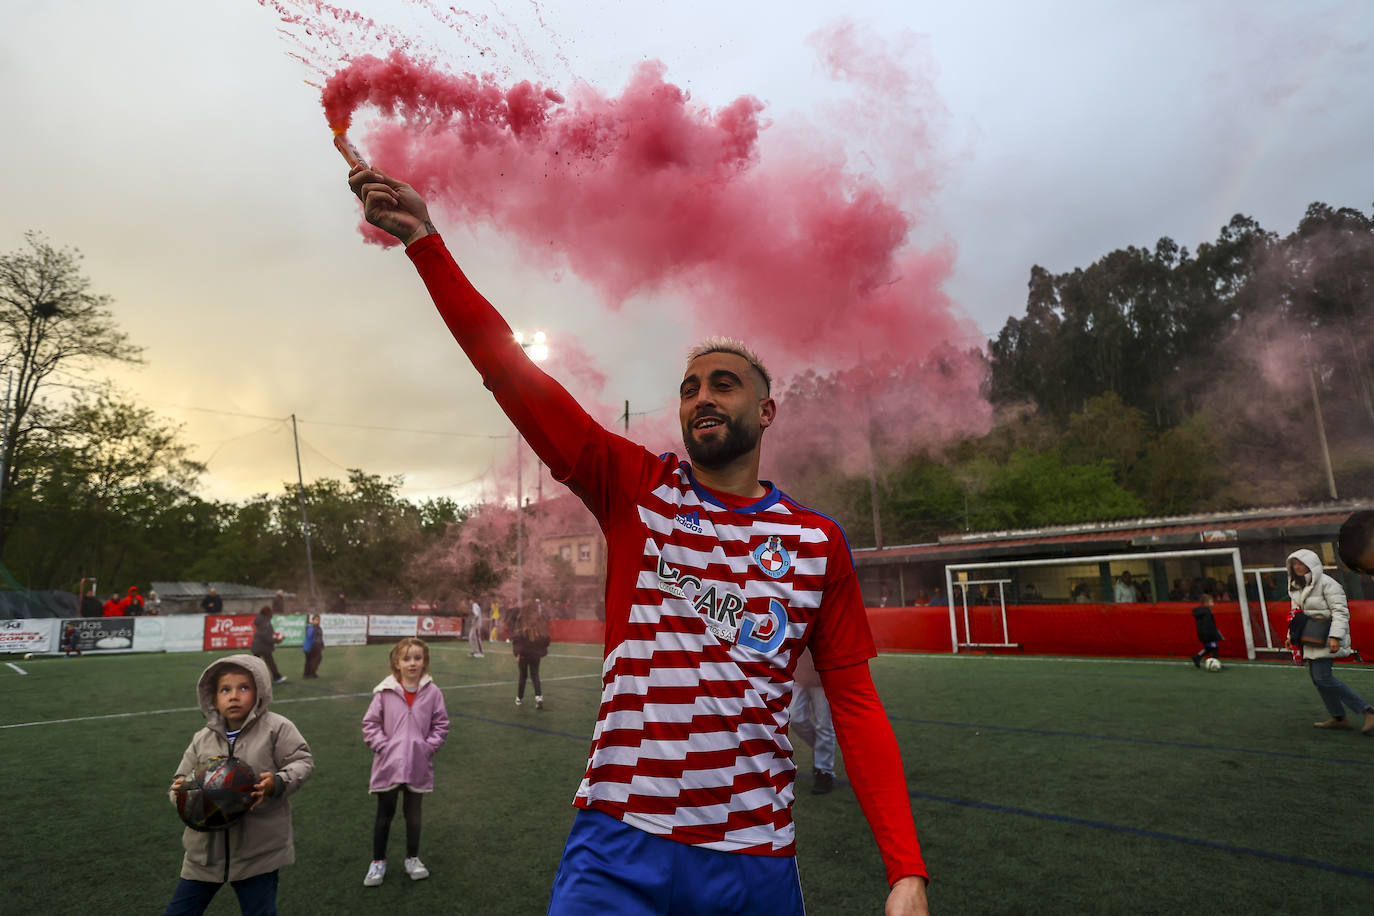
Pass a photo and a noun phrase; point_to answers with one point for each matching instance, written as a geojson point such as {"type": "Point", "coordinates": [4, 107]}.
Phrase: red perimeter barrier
{"type": "Point", "coordinates": [1164, 629]}
{"type": "Point", "coordinates": [592, 631]}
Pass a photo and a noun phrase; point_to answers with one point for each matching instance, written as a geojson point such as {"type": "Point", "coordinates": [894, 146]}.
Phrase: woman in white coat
{"type": "Point", "coordinates": [1321, 597]}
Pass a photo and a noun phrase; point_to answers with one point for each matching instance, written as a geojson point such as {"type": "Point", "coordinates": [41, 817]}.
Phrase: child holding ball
{"type": "Point", "coordinates": [405, 724]}
{"type": "Point", "coordinates": [234, 693]}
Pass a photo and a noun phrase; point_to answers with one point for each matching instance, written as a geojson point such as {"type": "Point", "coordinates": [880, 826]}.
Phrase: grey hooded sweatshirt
{"type": "Point", "coordinates": [260, 841]}
{"type": "Point", "coordinates": [1320, 596]}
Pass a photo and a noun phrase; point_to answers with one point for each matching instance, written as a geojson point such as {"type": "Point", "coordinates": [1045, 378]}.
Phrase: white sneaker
{"type": "Point", "coordinates": [376, 872]}
{"type": "Point", "coordinates": [280, 680]}
{"type": "Point", "coordinates": [519, 702]}
{"type": "Point", "coordinates": [416, 869]}
{"type": "Point", "coordinates": [538, 702]}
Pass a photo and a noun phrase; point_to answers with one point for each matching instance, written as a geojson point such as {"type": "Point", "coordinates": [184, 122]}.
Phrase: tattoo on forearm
{"type": "Point", "coordinates": [429, 227]}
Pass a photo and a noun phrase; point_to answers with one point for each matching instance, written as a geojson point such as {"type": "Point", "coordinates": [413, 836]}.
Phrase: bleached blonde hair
{"type": "Point", "coordinates": [738, 348]}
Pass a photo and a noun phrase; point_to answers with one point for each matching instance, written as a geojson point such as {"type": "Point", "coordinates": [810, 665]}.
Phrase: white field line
{"type": "Point", "coordinates": [967, 656]}
{"type": "Point", "coordinates": [16, 667]}
{"type": "Point", "coordinates": [275, 703]}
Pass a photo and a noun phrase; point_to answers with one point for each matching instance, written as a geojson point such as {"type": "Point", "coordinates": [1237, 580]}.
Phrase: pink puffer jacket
{"type": "Point", "coordinates": [404, 738]}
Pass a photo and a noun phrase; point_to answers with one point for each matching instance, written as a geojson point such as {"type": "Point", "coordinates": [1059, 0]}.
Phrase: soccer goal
{"type": "Point", "coordinates": [977, 620]}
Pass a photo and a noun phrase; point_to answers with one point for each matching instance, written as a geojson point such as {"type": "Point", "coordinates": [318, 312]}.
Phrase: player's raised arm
{"type": "Point", "coordinates": [553, 423]}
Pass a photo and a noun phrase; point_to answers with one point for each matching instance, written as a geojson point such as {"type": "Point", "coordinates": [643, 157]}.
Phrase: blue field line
{"type": "Point", "coordinates": [1152, 835]}
{"type": "Point", "coordinates": [1292, 755]}
{"type": "Point", "coordinates": [584, 737]}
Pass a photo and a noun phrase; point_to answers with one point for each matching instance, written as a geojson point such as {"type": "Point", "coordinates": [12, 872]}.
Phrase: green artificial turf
{"type": "Point", "coordinates": [1038, 785]}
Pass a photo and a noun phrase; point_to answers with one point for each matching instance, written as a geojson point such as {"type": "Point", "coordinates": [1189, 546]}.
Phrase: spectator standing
{"type": "Point", "coordinates": [405, 725]}
{"type": "Point", "coordinates": [1125, 591]}
{"type": "Point", "coordinates": [154, 603]}
{"type": "Point", "coordinates": [212, 603]}
{"type": "Point", "coordinates": [339, 605]}
{"type": "Point", "coordinates": [279, 603]}
{"type": "Point", "coordinates": [90, 605]}
{"type": "Point", "coordinates": [111, 608]}
{"type": "Point", "coordinates": [314, 646]}
{"type": "Point", "coordinates": [265, 642]}
{"type": "Point", "coordinates": [530, 644]}
{"type": "Point", "coordinates": [132, 603]}
{"type": "Point", "coordinates": [475, 630]}
{"type": "Point", "coordinates": [234, 695]}
{"type": "Point", "coordinates": [1321, 598]}
{"type": "Point", "coordinates": [810, 715]}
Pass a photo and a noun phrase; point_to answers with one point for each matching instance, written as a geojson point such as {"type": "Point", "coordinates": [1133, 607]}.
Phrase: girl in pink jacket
{"type": "Point", "coordinates": [405, 724]}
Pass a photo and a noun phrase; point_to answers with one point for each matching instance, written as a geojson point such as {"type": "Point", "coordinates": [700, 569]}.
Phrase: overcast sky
{"type": "Point", "coordinates": [180, 148]}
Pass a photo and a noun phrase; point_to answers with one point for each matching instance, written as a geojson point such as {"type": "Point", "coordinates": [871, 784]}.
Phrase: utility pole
{"type": "Point", "coordinates": [305, 519]}
{"type": "Point", "coordinates": [627, 417]}
{"type": "Point", "coordinates": [1321, 426]}
{"type": "Point", "coordinates": [519, 528]}
{"type": "Point", "coordinates": [5, 436]}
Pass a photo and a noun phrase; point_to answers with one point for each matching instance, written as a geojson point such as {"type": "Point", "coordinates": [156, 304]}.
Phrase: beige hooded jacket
{"type": "Point", "coordinates": [1320, 596]}
{"type": "Point", "coordinates": [260, 841]}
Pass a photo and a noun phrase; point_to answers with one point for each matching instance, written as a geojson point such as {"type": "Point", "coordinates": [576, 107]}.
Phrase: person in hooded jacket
{"type": "Point", "coordinates": [265, 641]}
{"type": "Point", "coordinates": [1321, 598]}
{"type": "Point", "coordinates": [405, 725]}
{"type": "Point", "coordinates": [234, 694]}
{"type": "Point", "coordinates": [131, 605]}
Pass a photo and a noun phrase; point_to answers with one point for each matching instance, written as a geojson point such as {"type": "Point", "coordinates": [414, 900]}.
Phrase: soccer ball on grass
{"type": "Point", "coordinates": [1212, 664]}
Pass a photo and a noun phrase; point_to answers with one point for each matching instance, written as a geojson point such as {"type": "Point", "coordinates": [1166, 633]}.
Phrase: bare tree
{"type": "Point", "coordinates": [49, 319]}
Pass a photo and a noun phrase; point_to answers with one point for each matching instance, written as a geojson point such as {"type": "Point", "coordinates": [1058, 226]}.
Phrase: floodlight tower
{"type": "Point", "coordinates": [538, 349]}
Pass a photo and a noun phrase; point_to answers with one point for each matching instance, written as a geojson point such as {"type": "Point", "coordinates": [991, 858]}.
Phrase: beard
{"type": "Point", "coordinates": [722, 450]}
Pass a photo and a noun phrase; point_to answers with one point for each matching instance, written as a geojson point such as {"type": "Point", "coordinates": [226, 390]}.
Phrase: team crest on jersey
{"type": "Point", "coordinates": [772, 558]}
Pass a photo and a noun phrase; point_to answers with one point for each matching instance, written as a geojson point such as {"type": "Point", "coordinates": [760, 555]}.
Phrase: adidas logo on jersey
{"type": "Point", "coordinates": [691, 521]}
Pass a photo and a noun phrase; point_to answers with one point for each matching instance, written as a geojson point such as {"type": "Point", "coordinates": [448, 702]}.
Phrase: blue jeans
{"type": "Point", "coordinates": [612, 869]}
{"type": "Point", "coordinates": [257, 896]}
{"type": "Point", "coordinates": [1333, 692]}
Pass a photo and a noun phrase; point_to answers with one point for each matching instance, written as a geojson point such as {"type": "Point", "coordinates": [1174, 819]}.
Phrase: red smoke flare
{"type": "Point", "coordinates": [761, 231]}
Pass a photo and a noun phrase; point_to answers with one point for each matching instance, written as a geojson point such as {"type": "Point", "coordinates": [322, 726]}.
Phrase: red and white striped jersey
{"type": "Point", "coordinates": [709, 601]}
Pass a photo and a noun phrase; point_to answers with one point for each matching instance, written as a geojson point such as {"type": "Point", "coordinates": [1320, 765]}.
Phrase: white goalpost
{"type": "Point", "coordinates": [952, 582]}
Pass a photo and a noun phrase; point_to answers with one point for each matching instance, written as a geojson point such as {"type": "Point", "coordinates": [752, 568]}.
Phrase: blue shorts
{"type": "Point", "coordinates": [612, 869]}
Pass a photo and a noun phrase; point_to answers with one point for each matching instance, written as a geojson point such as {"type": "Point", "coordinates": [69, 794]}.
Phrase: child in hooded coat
{"type": "Point", "coordinates": [247, 853]}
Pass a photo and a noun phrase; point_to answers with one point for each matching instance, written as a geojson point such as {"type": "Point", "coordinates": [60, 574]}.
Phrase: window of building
{"type": "Point", "coordinates": [584, 553]}
{"type": "Point", "coordinates": [566, 552]}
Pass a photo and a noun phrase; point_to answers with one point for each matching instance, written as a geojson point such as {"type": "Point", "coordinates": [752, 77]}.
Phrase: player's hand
{"type": "Point", "coordinates": [266, 782]}
{"type": "Point", "coordinates": [178, 783]}
{"type": "Point", "coordinates": [1333, 644]}
{"type": "Point", "coordinates": [908, 898]}
{"type": "Point", "coordinates": [390, 205]}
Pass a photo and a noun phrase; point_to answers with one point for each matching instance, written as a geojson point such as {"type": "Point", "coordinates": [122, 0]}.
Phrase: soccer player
{"type": "Point", "coordinates": [716, 581]}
